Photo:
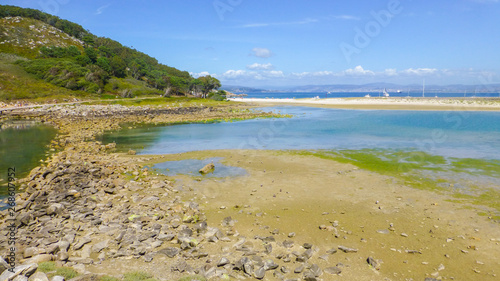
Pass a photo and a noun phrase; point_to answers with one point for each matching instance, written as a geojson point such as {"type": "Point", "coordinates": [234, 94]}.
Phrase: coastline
{"type": "Point", "coordinates": [457, 104]}
{"type": "Point", "coordinates": [102, 212]}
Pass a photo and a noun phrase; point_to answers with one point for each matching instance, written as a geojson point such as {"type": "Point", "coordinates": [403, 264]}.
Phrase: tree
{"type": "Point", "coordinates": [118, 67]}
{"type": "Point", "coordinates": [209, 83]}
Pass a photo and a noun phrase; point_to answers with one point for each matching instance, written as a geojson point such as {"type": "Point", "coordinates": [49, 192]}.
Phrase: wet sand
{"type": "Point", "coordinates": [415, 233]}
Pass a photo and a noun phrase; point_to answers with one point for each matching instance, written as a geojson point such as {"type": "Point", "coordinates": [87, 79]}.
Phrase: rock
{"type": "Point", "coordinates": [63, 245]}
{"type": "Point", "coordinates": [333, 270]}
{"type": "Point", "coordinates": [260, 273]}
{"type": "Point", "coordinates": [3, 265]}
{"type": "Point", "coordinates": [38, 276]}
{"type": "Point", "coordinates": [347, 250]}
{"type": "Point", "coordinates": [55, 208]}
{"type": "Point", "coordinates": [57, 278]}
{"type": "Point", "coordinates": [307, 245]}
{"type": "Point", "coordinates": [62, 256]}
{"type": "Point", "coordinates": [431, 279]}
{"type": "Point", "coordinates": [41, 258]}
{"type": "Point", "coordinates": [270, 265]}
{"type": "Point", "coordinates": [209, 168]}
{"type": "Point", "coordinates": [374, 263]}
{"type": "Point", "coordinates": [316, 270]}
{"type": "Point", "coordinates": [97, 248]}
{"type": "Point", "coordinates": [331, 251]}
{"type": "Point", "coordinates": [131, 152]}
{"type": "Point", "coordinates": [30, 251]}
{"type": "Point", "coordinates": [81, 242]}
{"type": "Point", "coordinates": [169, 251]}
{"type": "Point", "coordinates": [299, 269]}
{"type": "Point", "coordinates": [288, 244]}
{"type": "Point", "coordinates": [85, 277]}
{"type": "Point", "coordinates": [20, 270]}
{"type": "Point", "coordinates": [223, 262]}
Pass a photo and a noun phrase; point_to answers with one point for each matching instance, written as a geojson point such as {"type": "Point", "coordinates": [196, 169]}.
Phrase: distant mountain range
{"type": "Point", "coordinates": [374, 87]}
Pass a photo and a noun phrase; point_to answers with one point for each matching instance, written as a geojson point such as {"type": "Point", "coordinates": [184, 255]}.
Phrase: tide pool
{"type": "Point", "coordinates": [459, 134]}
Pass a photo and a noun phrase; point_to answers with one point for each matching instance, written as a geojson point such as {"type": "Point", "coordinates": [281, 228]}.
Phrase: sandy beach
{"type": "Point", "coordinates": [398, 103]}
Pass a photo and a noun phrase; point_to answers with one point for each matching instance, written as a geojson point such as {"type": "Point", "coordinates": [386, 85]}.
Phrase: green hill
{"type": "Point", "coordinates": [43, 56]}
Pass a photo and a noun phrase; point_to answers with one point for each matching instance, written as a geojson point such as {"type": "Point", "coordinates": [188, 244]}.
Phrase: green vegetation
{"type": "Point", "coordinates": [138, 276]}
{"type": "Point", "coordinates": [64, 54]}
{"type": "Point", "coordinates": [425, 171]}
{"type": "Point", "coordinates": [52, 270]}
{"type": "Point", "coordinates": [47, 266]}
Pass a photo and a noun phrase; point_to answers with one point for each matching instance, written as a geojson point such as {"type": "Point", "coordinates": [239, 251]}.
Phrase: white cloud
{"type": "Point", "coordinates": [101, 9]}
{"type": "Point", "coordinates": [203, 73]}
{"type": "Point", "coordinates": [261, 52]}
{"type": "Point", "coordinates": [259, 66]}
{"type": "Point", "coordinates": [419, 71]}
{"type": "Point", "coordinates": [358, 71]}
{"type": "Point", "coordinates": [234, 74]}
{"type": "Point", "coordinates": [346, 17]}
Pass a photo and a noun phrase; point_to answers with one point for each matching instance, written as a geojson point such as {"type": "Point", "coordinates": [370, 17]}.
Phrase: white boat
{"type": "Point", "coordinates": [385, 93]}
{"type": "Point", "coordinates": [367, 96]}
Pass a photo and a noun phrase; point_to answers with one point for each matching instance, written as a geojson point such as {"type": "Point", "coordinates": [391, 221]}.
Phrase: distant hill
{"type": "Point", "coordinates": [39, 48]}
{"type": "Point", "coordinates": [377, 87]}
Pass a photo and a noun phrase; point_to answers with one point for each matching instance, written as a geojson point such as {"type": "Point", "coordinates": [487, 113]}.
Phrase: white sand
{"type": "Point", "coordinates": [392, 103]}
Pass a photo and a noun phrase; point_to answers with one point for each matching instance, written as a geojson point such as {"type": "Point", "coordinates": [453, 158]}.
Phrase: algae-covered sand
{"type": "Point", "coordinates": [412, 233]}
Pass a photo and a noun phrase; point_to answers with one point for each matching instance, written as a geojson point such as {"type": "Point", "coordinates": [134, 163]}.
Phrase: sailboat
{"type": "Point", "coordinates": [385, 93]}
{"type": "Point", "coordinates": [423, 89]}
{"type": "Point", "coordinates": [367, 96]}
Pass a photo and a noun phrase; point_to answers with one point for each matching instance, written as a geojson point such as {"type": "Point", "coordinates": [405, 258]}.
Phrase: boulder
{"type": "Point", "coordinates": [209, 168]}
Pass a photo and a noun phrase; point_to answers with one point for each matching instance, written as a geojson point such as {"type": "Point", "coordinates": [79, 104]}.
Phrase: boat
{"type": "Point", "coordinates": [367, 96]}
{"type": "Point", "coordinates": [385, 93]}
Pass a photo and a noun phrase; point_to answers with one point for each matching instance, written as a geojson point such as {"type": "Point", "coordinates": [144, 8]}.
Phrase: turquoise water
{"type": "Point", "coordinates": [22, 145]}
{"type": "Point", "coordinates": [447, 133]}
{"type": "Point", "coordinates": [192, 166]}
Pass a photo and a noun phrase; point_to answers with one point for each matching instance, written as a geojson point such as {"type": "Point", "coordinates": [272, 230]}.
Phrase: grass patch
{"type": "Point", "coordinates": [47, 266]}
{"type": "Point", "coordinates": [138, 276]}
{"type": "Point", "coordinates": [108, 278]}
{"type": "Point", "coordinates": [65, 272]}
{"type": "Point", "coordinates": [193, 278]}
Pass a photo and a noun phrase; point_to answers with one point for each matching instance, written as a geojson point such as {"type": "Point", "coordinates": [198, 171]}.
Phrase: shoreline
{"type": "Point", "coordinates": [100, 212]}
{"type": "Point", "coordinates": [395, 103]}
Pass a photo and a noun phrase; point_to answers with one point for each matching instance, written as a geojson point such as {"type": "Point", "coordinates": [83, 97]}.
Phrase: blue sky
{"type": "Point", "coordinates": [264, 43]}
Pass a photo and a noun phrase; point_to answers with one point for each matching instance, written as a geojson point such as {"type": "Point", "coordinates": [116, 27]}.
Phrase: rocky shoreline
{"type": "Point", "coordinates": [88, 204]}
{"type": "Point", "coordinates": [102, 213]}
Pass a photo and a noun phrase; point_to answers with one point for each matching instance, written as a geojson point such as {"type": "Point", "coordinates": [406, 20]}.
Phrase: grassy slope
{"type": "Point", "coordinates": [15, 83]}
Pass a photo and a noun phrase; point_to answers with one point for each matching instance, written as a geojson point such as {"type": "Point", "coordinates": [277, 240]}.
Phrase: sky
{"type": "Point", "coordinates": [283, 43]}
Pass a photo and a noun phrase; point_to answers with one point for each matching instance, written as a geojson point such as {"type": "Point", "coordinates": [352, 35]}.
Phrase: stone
{"type": "Point", "coordinates": [347, 249]}
{"type": "Point", "coordinates": [316, 270]}
{"type": "Point", "coordinates": [20, 270]}
{"type": "Point", "coordinates": [3, 265]}
{"type": "Point", "coordinates": [98, 247]}
{"type": "Point", "coordinates": [169, 251]}
{"type": "Point", "coordinates": [260, 273]}
{"type": "Point", "coordinates": [58, 278]}
{"type": "Point", "coordinates": [223, 262]}
{"type": "Point", "coordinates": [38, 276]}
{"type": "Point", "coordinates": [299, 269]}
{"type": "Point", "coordinates": [373, 262]}
{"type": "Point", "coordinates": [288, 244]}
{"type": "Point", "coordinates": [55, 208]}
{"type": "Point", "coordinates": [81, 242]}
{"type": "Point", "coordinates": [333, 270]}
{"type": "Point", "coordinates": [62, 256]}
{"type": "Point", "coordinates": [209, 168]}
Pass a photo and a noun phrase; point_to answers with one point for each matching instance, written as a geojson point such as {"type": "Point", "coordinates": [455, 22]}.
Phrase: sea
{"type": "Point", "coordinates": [415, 94]}
{"type": "Point", "coordinates": [464, 134]}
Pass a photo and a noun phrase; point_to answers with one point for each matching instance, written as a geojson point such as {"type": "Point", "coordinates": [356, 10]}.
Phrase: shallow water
{"type": "Point", "coordinates": [447, 133]}
{"type": "Point", "coordinates": [22, 145]}
{"type": "Point", "coordinates": [192, 166]}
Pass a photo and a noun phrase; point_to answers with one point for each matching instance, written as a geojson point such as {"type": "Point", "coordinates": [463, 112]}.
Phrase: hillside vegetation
{"type": "Point", "coordinates": [45, 56]}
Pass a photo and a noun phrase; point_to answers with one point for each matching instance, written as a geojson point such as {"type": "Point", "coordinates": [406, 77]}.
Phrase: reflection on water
{"type": "Point", "coordinates": [192, 166]}
{"type": "Point", "coordinates": [22, 145]}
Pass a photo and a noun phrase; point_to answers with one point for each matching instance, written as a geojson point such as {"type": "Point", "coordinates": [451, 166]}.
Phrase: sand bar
{"type": "Point", "coordinates": [397, 103]}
